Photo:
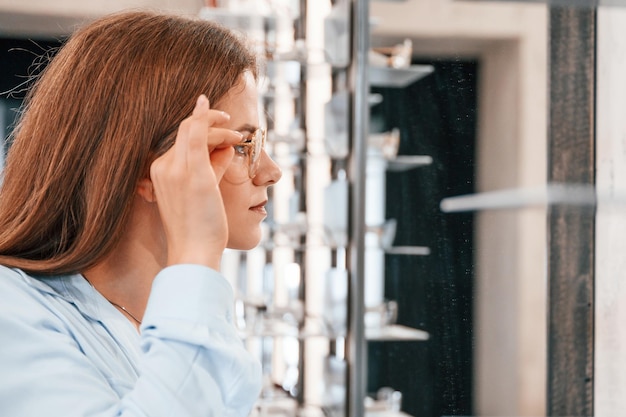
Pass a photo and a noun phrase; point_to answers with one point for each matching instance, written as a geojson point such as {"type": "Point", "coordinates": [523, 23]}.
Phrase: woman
{"type": "Point", "coordinates": [136, 161]}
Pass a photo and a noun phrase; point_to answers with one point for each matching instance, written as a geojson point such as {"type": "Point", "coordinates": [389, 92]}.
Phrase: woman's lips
{"type": "Point", "coordinates": [259, 208]}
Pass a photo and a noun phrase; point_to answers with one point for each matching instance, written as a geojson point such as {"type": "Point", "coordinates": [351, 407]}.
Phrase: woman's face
{"type": "Point", "coordinates": [245, 197]}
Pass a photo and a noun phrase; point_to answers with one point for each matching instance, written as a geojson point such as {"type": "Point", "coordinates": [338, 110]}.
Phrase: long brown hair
{"type": "Point", "coordinates": [106, 105]}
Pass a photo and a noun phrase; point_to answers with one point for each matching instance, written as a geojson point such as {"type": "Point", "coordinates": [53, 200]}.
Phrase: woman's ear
{"type": "Point", "coordinates": [146, 190]}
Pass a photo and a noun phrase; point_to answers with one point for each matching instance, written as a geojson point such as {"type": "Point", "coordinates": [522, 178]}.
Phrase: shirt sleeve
{"type": "Point", "coordinates": [193, 332]}
{"type": "Point", "coordinates": [193, 362]}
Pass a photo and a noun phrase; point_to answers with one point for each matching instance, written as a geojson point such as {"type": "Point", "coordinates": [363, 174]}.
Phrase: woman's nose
{"type": "Point", "coordinates": [268, 172]}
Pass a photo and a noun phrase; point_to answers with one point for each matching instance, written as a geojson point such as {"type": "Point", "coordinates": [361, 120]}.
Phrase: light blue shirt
{"type": "Point", "coordinates": [66, 351]}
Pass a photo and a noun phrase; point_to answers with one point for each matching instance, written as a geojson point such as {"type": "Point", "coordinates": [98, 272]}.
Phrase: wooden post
{"type": "Point", "coordinates": [571, 230]}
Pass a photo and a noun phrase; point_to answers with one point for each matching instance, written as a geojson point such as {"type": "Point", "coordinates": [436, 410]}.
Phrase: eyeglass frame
{"type": "Point", "coordinates": [252, 143]}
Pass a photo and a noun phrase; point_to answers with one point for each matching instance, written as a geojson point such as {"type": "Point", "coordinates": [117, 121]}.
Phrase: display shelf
{"type": "Point", "coordinates": [385, 413]}
{"type": "Point", "coordinates": [407, 162]}
{"type": "Point", "coordinates": [408, 250]}
{"type": "Point", "coordinates": [395, 332]}
{"type": "Point", "coordinates": [282, 326]}
{"type": "Point", "coordinates": [287, 324]}
{"type": "Point", "coordinates": [397, 77]}
{"type": "Point", "coordinates": [543, 196]}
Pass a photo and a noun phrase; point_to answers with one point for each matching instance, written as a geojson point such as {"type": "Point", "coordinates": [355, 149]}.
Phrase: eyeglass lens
{"type": "Point", "coordinates": [258, 143]}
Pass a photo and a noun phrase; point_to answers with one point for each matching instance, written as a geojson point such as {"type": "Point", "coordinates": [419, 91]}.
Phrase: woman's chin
{"type": "Point", "coordinates": [243, 244]}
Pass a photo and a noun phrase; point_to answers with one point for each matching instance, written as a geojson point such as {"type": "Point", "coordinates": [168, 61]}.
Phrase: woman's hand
{"type": "Point", "coordinates": [186, 180]}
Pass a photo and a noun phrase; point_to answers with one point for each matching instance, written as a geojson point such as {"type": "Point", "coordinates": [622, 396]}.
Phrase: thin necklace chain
{"type": "Point", "coordinates": [124, 309]}
{"type": "Point", "coordinates": [115, 304]}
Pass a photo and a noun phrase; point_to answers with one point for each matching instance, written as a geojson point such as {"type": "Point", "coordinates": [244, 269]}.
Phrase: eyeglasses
{"type": "Point", "coordinates": [252, 146]}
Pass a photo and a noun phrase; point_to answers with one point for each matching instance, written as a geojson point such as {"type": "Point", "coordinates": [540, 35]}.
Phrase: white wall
{"type": "Point", "coordinates": [610, 313]}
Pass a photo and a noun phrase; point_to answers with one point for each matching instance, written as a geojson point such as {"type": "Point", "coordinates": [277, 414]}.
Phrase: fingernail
{"type": "Point", "coordinates": [226, 115]}
{"type": "Point", "coordinates": [202, 100]}
{"type": "Point", "coordinates": [238, 133]}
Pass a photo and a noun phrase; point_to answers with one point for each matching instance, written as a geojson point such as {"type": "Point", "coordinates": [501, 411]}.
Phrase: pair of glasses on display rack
{"type": "Point", "coordinates": [251, 147]}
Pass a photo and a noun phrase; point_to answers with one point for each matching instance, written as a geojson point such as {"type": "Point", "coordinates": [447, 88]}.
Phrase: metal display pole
{"type": "Point", "coordinates": [359, 82]}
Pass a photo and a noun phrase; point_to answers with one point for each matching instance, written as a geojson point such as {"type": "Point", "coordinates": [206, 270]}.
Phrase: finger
{"type": "Point", "coordinates": [218, 117]}
{"type": "Point", "coordinates": [215, 118]}
{"type": "Point", "coordinates": [178, 151]}
{"type": "Point", "coordinates": [197, 136]}
{"type": "Point", "coordinates": [223, 138]}
{"type": "Point", "coordinates": [221, 160]}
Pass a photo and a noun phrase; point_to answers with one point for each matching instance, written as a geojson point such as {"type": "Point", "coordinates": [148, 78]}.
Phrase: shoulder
{"type": "Point", "coordinates": [25, 298]}
{"type": "Point", "coordinates": [9, 273]}
{"type": "Point", "coordinates": [15, 282]}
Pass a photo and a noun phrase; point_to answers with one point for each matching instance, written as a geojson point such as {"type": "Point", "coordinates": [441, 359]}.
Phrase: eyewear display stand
{"type": "Point", "coordinates": [312, 294]}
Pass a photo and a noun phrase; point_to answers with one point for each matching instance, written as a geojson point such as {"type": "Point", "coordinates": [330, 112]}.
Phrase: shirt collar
{"type": "Point", "coordinates": [76, 290]}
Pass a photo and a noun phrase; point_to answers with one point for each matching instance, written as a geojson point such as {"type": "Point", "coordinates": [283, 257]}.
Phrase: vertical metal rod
{"type": "Point", "coordinates": [359, 82]}
{"type": "Point", "coordinates": [300, 256]}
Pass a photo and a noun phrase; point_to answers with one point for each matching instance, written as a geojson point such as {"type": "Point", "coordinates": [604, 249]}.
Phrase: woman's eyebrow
{"type": "Point", "coordinates": [246, 128]}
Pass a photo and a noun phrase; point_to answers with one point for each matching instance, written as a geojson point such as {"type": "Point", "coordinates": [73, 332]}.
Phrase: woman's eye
{"type": "Point", "coordinates": [242, 148]}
